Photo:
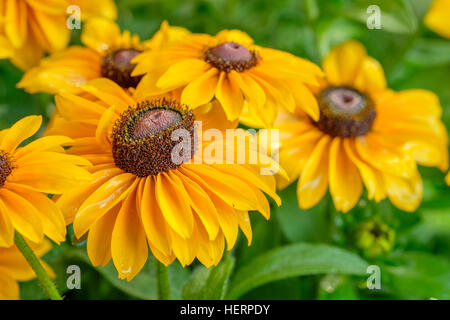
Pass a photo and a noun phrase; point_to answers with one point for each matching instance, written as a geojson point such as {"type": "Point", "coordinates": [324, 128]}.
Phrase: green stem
{"type": "Point", "coordinates": [162, 278]}
{"type": "Point", "coordinates": [47, 283]}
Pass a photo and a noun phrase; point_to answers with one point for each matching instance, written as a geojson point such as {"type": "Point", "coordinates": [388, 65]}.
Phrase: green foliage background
{"type": "Point", "coordinates": [297, 254]}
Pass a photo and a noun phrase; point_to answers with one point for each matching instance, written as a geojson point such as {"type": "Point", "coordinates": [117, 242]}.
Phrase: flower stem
{"type": "Point", "coordinates": [162, 278]}
{"type": "Point", "coordinates": [47, 284]}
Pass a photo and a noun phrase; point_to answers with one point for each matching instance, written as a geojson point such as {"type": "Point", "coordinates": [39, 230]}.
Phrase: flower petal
{"type": "Point", "coordinates": [129, 248]}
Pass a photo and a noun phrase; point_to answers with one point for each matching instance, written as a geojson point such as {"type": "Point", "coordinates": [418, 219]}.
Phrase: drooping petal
{"type": "Point", "coordinates": [174, 204]}
{"type": "Point", "coordinates": [344, 179]}
{"type": "Point", "coordinates": [102, 200]}
{"type": "Point", "coordinates": [229, 95]}
{"type": "Point", "coordinates": [152, 218]}
{"type": "Point", "coordinates": [201, 90]}
{"type": "Point", "coordinates": [129, 248]}
{"type": "Point", "coordinates": [313, 182]}
{"type": "Point", "coordinates": [99, 238]}
{"type": "Point", "coordinates": [49, 214]}
{"type": "Point", "coordinates": [24, 216]}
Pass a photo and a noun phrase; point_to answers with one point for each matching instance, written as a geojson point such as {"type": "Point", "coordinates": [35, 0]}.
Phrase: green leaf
{"type": "Point", "coordinates": [429, 52]}
{"type": "Point", "coordinates": [292, 261]}
{"type": "Point", "coordinates": [143, 286]}
{"type": "Point", "coordinates": [336, 287]}
{"type": "Point", "coordinates": [418, 275]}
{"type": "Point", "coordinates": [301, 225]}
{"type": "Point", "coordinates": [396, 16]}
{"type": "Point", "coordinates": [209, 283]}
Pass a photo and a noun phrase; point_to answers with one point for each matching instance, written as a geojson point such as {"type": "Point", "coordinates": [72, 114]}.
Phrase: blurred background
{"type": "Point", "coordinates": [332, 250]}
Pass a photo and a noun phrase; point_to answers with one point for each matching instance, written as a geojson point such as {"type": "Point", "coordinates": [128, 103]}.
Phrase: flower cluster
{"type": "Point", "coordinates": [106, 161]}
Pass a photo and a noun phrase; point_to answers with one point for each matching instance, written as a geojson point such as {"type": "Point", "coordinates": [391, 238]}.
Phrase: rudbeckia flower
{"type": "Point", "coordinates": [107, 54]}
{"type": "Point", "coordinates": [27, 174]}
{"type": "Point", "coordinates": [14, 268]}
{"type": "Point", "coordinates": [366, 135]}
{"type": "Point", "coordinates": [140, 197]}
{"type": "Point", "coordinates": [437, 17]}
{"type": "Point", "coordinates": [28, 28]}
{"type": "Point", "coordinates": [249, 81]}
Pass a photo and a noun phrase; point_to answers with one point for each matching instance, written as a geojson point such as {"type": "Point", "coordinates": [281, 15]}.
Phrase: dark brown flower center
{"type": "Point", "coordinates": [231, 56]}
{"type": "Point", "coordinates": [152, 137]}
{"type": "Point", "coordinates": [6, 167]}
{"type": "Point", "coordinates": [345, 112]}
{"type": "Point", "coordinates": [117, 66]}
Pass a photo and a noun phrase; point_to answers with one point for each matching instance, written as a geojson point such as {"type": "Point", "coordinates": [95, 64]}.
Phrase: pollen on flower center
{"type": "Point", "coordinates": [345, 112]}
{"type": "Point", "coordinates": [6, 167]}
{"type": "Point", "coordinates": [146, 138]}
{"type": "Point", "coordinates": [117, 66]}
{"type": "Point", "coordinates": [231, 56]}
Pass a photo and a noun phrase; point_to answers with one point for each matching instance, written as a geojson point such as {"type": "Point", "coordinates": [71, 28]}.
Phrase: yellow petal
{"type": "Point", "coordinates": [99, 8]}
{"type": "Point", "coordinates": [43, 144]}
{"type": "Point", "coordinates": [15, 24]}
{"type": "Point", "coordinates": [344, 179]}
{"type": "Point", "coordinates": [202, 204]}
{"type": "Point", "coordinates": [224, 186]}
{"type": "Point", "coordinates": [129, 244]}
{"type": "Point", "coordinates": [100, 34]}
{"type": "Point", "coordinates": [229, 95]}
{"type": "Point", "coordinates": [54, 29]}
{"type": "Point", "coordinates": [102, 200]}
{"type": "Point", "coordinates": [50, 216]}
{"type": "Point", "coordinates": [53, 178]}
{"type": "Point", "coordinates": [23, 215]}
{"type": "Point", "coordinates": [174, 204]}
{"type": "Point", "coordinates": [153, 221]}
{"type": "Point", "coordinates": [99, 238]}
{"type": "Point", "coordinates": [405, 194]}
{"type": "Point", "coordinates": [344, 62]}
{"type": "Point", "coordinates": [6, 227]}
{"type": "Point", "coordinates": [313, 182]}
{"type": "Point", "coordinates": [9, 288]}
{"type": "Point", "coordinates": [371, 177]}
{"type": "Point", "coordinates": [182, 73]}
{"type": "Point", "coordinates": [201, 90]}
{"type": "Point", "coordinates": [229, 221]}
{"type": "Point", "coordinates": [70, 202]}
{"type": "Point", "coordinates": [245, 225]}
{"type": "Point", "coordinates": [377, 153]}
{"type": "Point", "coordinates": [437, 17]}
{"type": "Point", "coordinates": [20, 131]}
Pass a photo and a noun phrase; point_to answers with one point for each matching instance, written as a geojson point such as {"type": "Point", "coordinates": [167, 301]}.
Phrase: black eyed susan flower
{"type": "Point", "coordinates": [27, 174]}
{"type": "Point", "coordinates": [249, 81]}
{"type": "Point", "coordinates": [108, 53]}
{"type": "Point", "coordinates": [437, 17]}
{"type": "Point", "coordinates": [14, 268]}
{"type": "Point", "coordinates": [366, 135]}
{"type": "Point", "coordinates": [140, 197]}
{"type": "Point", "coordinates": [28, 28]}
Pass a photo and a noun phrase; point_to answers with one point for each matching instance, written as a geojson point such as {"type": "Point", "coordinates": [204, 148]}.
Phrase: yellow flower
{"type": "Point", "coordinates": [107, 54]}
{"type": "Point", "coordinates": [249, 81]}
{"type": "Point", "coordinates": [14, 268]}
{"type": "Point", "coordinates": [139, 197]}
{"type": "Point", "coordinates": [366, 135]}
{"type": "Point", "coordinates": [437, 17]}
{"type": "Point", "coordinates": [26, 173]}
{"type": "Point", "coordinates": [28, 28]}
